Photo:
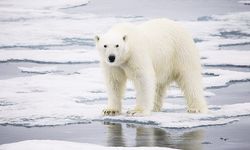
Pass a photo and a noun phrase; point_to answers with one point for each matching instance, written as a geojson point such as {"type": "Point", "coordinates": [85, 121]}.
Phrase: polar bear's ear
{"type": "Point", "coordinates": [97, 38]}
{"type": "Point", "coordinates": [124, 38]}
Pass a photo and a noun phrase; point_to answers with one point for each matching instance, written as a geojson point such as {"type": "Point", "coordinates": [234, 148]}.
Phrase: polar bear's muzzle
{"type": "Point", "coordinates": [111, 58]}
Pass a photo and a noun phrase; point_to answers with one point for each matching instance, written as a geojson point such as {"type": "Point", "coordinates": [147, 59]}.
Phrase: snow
{"type": "Point", "coordinates": [65, 145]}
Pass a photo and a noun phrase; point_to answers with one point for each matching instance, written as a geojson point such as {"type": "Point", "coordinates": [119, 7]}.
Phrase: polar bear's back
{"type": "Point", "coordinates": [163, 25]}
{"type": "Point", "coordinates": [159, 34]}
{"type": "Point", "coordinates": [166, 42]}
{"type": "Point", "coordinates": [170, 44]}
{"type": "Point", "coordinates": [167, 31]}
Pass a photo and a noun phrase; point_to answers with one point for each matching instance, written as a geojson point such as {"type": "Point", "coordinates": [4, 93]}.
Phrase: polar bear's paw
{"type": "Point", "coordinates": [110, 112]}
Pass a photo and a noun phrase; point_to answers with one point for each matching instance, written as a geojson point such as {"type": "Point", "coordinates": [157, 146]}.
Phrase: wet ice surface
{"type": "Point", "coordinates": [50, 76]}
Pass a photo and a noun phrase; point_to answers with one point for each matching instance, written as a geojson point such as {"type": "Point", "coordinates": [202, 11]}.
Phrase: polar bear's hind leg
{"type": "Point", "coordinates": [160, 91]}
{"type": "Point", "coordinates": [191, 85]}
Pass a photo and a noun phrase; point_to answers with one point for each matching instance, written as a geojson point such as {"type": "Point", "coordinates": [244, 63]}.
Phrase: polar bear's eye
{"type": "Point", "coordinates": [117, 46]}
{"type": "Point", "coordinates": [105, 46]}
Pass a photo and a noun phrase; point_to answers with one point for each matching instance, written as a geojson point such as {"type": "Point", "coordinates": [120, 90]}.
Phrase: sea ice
{"type": "Point", "coordinates": [39, 70]}
{"type": "Point", "coordinates": [42, 4]}
{"type": "Point", "coordinates": [51, 99]}
{"type": "Point", "coordinates": [245, 2]}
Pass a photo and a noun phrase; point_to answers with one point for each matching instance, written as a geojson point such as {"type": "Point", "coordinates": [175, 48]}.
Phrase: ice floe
{"type": "Point", "coordinates": [245, 2]}
{"type": "Point", "coordinates": [42, 26]}
{"type": "Point", "coordinates": [217, 31]}
{"type": "Point", "coordinates": [174, 116]}
{"type": "Point", "coordinates": [66, 145]}
{"type": "Point", "coordinates": [210, 58]}
{"type": "Point", "coordinates": [50, 99]}
{"type": "Point", "coordinates": [42, 4]}
{"type": "Point", "coordinates": [222, 78]}
{"type": "Point", "coordinates": [39, 70]}
{"type": "Point", "coordinates": [214, 34]}
{"type": "Point", "coordinates": [226, 58]}
{"type": "Point", "coordinates": [50, 56]}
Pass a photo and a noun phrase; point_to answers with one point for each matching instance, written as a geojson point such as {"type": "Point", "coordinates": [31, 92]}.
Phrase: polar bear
{"type": "Point", "coordinates": [153, 55]}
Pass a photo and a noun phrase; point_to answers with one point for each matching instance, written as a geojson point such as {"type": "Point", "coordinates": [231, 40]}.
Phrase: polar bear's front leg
{"type": "Point", "coordinates": [145, 89]}
{"type": "Point", "coordinates": [115, 82]}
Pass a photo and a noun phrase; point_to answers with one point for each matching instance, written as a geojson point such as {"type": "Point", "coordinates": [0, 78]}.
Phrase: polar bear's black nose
{"type": "Point", "coordinates": [111, 58]}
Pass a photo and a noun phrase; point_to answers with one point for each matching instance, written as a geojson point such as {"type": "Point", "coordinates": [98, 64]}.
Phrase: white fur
{"type": "Point", "coordinates": [153, 55]}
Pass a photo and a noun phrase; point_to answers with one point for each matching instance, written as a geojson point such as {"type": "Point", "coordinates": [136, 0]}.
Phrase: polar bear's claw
{"type": "Point", "coordinates": [110, 112]}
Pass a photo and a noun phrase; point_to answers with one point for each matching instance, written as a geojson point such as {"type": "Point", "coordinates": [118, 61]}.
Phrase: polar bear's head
{"type": "Point", "coordinates": [112, 48]}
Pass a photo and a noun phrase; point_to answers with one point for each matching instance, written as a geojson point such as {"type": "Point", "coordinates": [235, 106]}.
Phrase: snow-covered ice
{"type": "Point", "coordinates": [78, 98]}
{"type": "Point", "coordinates": [214, 34]}
{"type": "Point", "coordinates": [43, 4]}
{"type": "Point", "coordinates": [42, 25]}
{"type": "Point", "coordinates": [174, 116]}
{"type": "Point", "coordinates": [50, 56]}
{"type": "Point", "coordinates": [245, 2]}
{"type": "Point", "coordinates": [65, 145]}
{"type": "Point", "coordinates": [226, 58]}
{"type": "Point", "coordinates": [39, 70]}
{"type": "Point", "coordinates": [210, 58]}
{"type": "Point", "coordinates": [222, 78]}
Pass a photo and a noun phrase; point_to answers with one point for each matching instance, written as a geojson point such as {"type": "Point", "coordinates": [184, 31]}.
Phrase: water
{"type": "Point", "coordinates": [235, 93]}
